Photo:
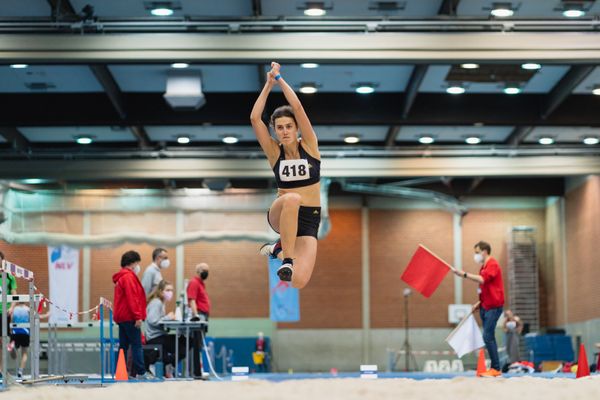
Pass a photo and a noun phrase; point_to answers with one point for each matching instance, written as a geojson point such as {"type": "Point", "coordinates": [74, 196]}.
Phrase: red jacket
{"type": "Point", "coordinates": [492, 288]}
{"type": "Point", "coordinates": [197, 291]}
{"type": "Point", "coordinates": [130, 298]}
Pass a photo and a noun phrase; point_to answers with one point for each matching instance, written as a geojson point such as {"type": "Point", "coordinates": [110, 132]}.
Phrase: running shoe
{"type": "Point", "coordinates": [286, 270]}
{"type": "Point", "coordinates": [491, 373]}
{"type": "Point", "coordinates": [271, 249]}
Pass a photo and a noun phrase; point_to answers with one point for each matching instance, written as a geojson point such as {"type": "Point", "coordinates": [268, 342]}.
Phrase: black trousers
{"type": "Point", "coordinates": [168, 348]}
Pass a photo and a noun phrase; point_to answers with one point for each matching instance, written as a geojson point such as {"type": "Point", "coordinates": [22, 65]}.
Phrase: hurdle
{"type": "Point", "coordinates": [19, 272]}
{"type": "Point", "coordinates": [110, 341]}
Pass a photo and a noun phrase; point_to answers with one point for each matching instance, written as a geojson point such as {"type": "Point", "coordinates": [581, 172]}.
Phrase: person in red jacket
{"type": "Point", "coordinates": [130, 310]}
{"type": "Point", "coordinates": [200, 305]}
{"type": "Point", "coordinates": [491, 299]}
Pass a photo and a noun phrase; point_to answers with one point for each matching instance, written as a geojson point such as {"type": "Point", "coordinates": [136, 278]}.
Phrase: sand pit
{"type": "Point", "coordinates": [315, 389]}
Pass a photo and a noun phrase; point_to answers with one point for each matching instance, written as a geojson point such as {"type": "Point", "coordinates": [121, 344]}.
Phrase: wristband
{"type": "Point", "coordinates": [277, 77]}
{"type": "Point", "coordinates": [465, 275]}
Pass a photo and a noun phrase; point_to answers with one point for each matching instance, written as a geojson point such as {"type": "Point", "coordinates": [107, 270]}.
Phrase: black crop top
{"type": "Point", "coordinates": [291, 174]}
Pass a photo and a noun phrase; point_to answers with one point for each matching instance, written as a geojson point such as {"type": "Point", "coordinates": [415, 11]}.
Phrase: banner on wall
{"type": "Point", "coordinates": [63, 277]}
{"type": "Point", "coordinates": [284, 299]}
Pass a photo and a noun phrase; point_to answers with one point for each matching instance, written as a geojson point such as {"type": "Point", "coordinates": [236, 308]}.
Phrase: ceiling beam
{"type": "Point", "coordinates": [62, 9]}
{"type": "Point", "coordinates": [474, 184]}
{"type": "Point", "coordinates": [368, 167]}
{"type": "Point", "coordinates": [518, 134]}
{"type": "Point", "coordinates": [16, 139]}
{"type": "Point", "coordinates": [68, 109]}
{"type": "Point", "coordinates": [257, 8]}
{"type": "Point", "coordinates": [142, 136]}
{"type": "Point", "coordinates": [110, 87]}
{"type": "Point", "coordinates": [565, 87]}
{"type": "Point", "coordinates": [262, 76]}
{"type": "Point", "coordinates": [448, 7]}
{"type": "Point", "coordinates": [390, 137]}
{"type": "Point", "coordinates": [371, 48]}
{"type": "Point", "coordinates": [412, 88]}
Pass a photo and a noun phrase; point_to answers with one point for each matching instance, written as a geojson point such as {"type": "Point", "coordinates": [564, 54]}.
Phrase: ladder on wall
{"type": "Point", "coordinates": [523, 289]}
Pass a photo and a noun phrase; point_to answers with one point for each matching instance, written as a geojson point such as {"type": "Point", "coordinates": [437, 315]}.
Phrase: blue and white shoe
{"type": "Point", "coordinates": [286, 270]}
{"type": "Point", "coordinates": [271, 249]}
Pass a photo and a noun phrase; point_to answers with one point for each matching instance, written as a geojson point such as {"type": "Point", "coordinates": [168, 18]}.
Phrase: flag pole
{"type": "Point", "coordinates": [438, 257]}
{"type": "Point", "coordinates": [464, 319]}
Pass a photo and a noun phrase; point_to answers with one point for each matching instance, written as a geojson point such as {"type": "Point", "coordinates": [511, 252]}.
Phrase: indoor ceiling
{"type": "Point", "coordinates": [61, 95]}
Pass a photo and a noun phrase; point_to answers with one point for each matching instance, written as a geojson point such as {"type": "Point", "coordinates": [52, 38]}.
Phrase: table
{"type": "Point", "coordinates": [185, 327]}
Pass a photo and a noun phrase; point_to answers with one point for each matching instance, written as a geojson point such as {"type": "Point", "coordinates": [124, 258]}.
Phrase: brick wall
{"type": "Point", "coordinates": [582, 211]}
{"type": "Point", "coordinates": [332, 299]}
{"type": "Point", "coordinates": [394, 237]}
{"type": "Point", "coordinates": [238, 283]}
{"type": "Point", "coordinates": [34, 258]}
{"type": "Point", "coordinates": [493, 226]}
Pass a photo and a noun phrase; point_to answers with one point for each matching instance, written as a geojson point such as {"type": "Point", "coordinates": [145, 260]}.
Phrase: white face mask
{"type": "Point", "coordinates": [165, 263]}
{"type": "Point", "coordinates": [136, 269]}
{"type": "Point", "coordinates": [478, 257]}
{"type": "Point", "coordinates": [168, 295]}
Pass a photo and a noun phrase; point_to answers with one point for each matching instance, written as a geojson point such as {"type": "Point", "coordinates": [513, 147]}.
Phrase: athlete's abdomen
{"type": "Point", "coordinates": [311, 195]}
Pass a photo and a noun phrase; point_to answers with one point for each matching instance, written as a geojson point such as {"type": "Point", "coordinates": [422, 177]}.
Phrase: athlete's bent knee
{"type": "Point", "coordinates": [299, 283]}
{"type": "Point", "coordinates": [292, 200]}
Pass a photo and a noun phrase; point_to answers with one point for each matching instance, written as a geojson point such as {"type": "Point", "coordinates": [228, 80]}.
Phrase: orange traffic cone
{"type": "Point", "coordinates": [583, 368]}
{"type": "Point", "coordinates": [481, 363]}
{"type": "Point", "coordinates": [121, 373]}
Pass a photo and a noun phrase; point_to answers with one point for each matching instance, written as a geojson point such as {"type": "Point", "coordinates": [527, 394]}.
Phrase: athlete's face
{"type": "Point", "coordinates": [286, 130]}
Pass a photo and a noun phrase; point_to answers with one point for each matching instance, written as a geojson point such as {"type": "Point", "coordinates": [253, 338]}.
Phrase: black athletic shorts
{"type": "Point", "coordinates": [20, 339]}
{"type": "Point", "coordinates": [309, 219]}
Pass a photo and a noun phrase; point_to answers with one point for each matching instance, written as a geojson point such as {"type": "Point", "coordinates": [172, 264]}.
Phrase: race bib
{"type": "Point", "coordinates": [293, 170]}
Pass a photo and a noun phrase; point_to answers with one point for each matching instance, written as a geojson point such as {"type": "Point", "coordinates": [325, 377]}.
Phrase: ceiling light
{"type": "Point", "coordinates": [591, 140]}
{"type": "Point", "coordinates": [531, 66]}
{"type": "Point", "coordinates": [315, 12]}
{"type": "Point", "coordinates": [351, 139]}
{"type": "Point", "coordinates": [230, 139]}
{"type": "Point", "coordinates": [573, 10]}
{"type": "Point", "coordinates": [161, 12]}
{"type": "Point", "coordinates": [83, 139]}
{"type": "Point", "coordinates": [596, 90]}
{"type": "Point", "coordinates": [426, 139]}
{"type": "Point", "coordinates": [573, 13]}
{"type": "Point", "coordinates": [34, 181]}
{"type": "Point", "coordinates": [502, 10]}
{"type": "Point", "coordinates": [308, 88]}
{"type": "Point", "coordinates": [19, 66]}
{"type": "Point", "coordinates": [364, 89]}
{"type": "Point", "coordinates": [545, 140]}
{"type": "Point", "coordinates": [180, 65]}
{"type": "Point", "coordinates": [473, 140]}
{"type": "Point", "coordinates": [183, 139]}
{"type": "Point", "coordinates": [511, 89]}
{"type": "Point", "coordinates": [455, 89]}
{"type": "Point", "coordinates": [469, 66]}
{"type": "Point", "coordinates": [309, 65]}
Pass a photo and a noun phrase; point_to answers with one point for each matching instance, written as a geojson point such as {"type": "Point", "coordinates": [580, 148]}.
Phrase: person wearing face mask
{"type": "Point", "coordinates": [200, 305]}
{"type": "Point", "coordinates": [491, 299]}
{"type": "Point", "coordinates": [155, 333]}
{"type": "Point", "coordinates": [513, 328]}
{"type": "Point", "coordinates": [130, 310]}
{"type": "Point", "coordinates": [152, 275]}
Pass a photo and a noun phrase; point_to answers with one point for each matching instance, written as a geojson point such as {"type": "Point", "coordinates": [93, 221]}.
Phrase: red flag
{"type": "Point", "coordinates": [425, 271]}
{"type": "Point", "coordinates": [41, 305]}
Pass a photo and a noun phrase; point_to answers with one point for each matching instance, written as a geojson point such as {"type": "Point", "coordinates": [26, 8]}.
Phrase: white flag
{"type": "Point", "coordinates": [466, 337]}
